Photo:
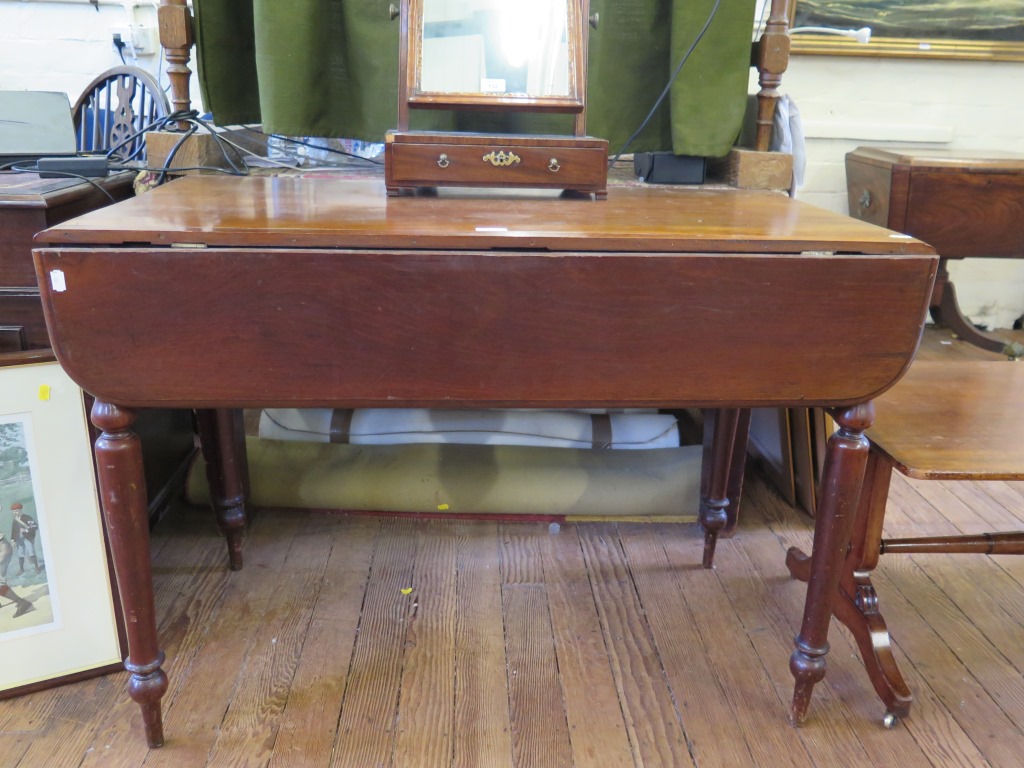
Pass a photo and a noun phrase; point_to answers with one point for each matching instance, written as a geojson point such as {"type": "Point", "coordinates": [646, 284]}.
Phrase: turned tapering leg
{"type": "Point", "coordinates": [123, 498]}
{"type": "Point", "coordinates": [223, 445]}
{"type": "Point", "coordinates": [714, 501]}
{"type": "Point", "coordinates": [842, 477]}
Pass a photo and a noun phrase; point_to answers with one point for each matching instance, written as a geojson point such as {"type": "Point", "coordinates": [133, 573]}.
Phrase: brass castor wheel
{"type": "Point", "coordinates": [889, 720]}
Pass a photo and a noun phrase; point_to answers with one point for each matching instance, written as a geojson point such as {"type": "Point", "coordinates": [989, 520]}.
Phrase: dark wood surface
{"type": "Point", "coordinates": [452, 329]}
{"type": "Point", "coordinates": [324, 292]}
{"type": "Point", "coordinates": [954, 421]}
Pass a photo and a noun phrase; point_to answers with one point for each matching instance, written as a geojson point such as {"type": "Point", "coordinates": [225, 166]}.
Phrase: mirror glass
{"type": "Point", "coordinates": [495, 47]}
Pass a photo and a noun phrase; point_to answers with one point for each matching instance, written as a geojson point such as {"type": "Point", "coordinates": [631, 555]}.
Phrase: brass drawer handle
{"type": "Point", "coordinates": [501, 159]}
{"type": "Point", "coordinates": [553, 165]}
{"type": "Point", "coordinates": [442, 161]}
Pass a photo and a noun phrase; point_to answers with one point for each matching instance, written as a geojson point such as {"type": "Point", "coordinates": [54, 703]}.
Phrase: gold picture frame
{"type": "Point", "coordinates": [995, 34]}
{"type": "Point", "coordinates": [58, 617]}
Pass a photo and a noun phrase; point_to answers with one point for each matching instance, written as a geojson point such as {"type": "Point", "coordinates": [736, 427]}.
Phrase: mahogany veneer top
{"type": "Point", "coordinates": [959, 421]}
{"type": "Point", "coordinates": [287, 211]}
{"type": "Point", "coordinates": [943, 160]}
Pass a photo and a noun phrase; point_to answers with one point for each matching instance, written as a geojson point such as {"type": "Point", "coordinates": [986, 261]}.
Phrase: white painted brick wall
{"type": "Point", "coordinates": [62, 46]}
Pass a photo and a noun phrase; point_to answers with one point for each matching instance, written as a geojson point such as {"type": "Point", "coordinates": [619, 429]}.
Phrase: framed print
{"type": "Point", "coordinates": [951, 29]}
{"type": "Point", "coordinates": [57, 615]}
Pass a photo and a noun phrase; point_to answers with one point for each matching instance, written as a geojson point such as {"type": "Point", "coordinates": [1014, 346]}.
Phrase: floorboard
{"type": "Point", "coordinates": [364, 641]}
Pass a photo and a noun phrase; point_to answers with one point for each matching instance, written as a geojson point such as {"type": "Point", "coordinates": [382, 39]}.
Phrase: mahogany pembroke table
{"type": "Point", "coordinates": [226, 293]}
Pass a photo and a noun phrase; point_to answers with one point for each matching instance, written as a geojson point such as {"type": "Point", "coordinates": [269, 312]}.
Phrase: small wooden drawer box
{"type": "Point", "coordinates": [422, 159]}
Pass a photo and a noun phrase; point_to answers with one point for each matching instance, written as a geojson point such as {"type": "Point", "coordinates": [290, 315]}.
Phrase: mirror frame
{"type": "Point", "coordinates": [412, 37]}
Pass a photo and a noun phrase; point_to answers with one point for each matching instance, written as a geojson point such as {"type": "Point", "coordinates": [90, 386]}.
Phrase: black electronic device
{"type": "Point", "coordinates": [89, 166]}
{"type": "Point", "coordinates": [669, 168]}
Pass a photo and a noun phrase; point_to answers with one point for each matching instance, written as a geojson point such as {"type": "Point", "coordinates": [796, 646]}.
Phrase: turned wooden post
{"type": "Point", "coordinates": [842, 477]}
{"type": "Point", "coordinates": [714, 503]}
{"type": "Point", "coordinates": [223, 448]}
{"type": "Point", "coordinates": [175, 22]}
{"type": "Point", "coordinates": [737, 466]}
{"type": "Point", "coordinates": [772, 59]}
{"type": "Point", "coordinates": [123, 498]}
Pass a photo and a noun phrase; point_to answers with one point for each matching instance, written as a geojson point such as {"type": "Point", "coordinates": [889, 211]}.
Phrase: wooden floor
{"type": "Point", "coordinates": [366, 641]}
{"type": "Point", "coordinates": [516, 644]}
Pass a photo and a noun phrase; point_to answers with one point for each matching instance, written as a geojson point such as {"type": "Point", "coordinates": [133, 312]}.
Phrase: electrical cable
{"type": "Point", "coordinates": [245, 151]}
{"type": "Point", "coordinates": [119, 45]}
{"type": "Point", "coordinates": [32, 169]}
{"type": "Point", "coordinates": [668, 86]}
{"type": "Point", "coordinates": [191, 117]}
{"type": "Point", "coordinates": [221, 143]}
{"type": "Point", "coordinates": [291, 140]}
{"type": "Point", "coordinates": [160, 122]}
{"type": "Point", "coordinates": [192, 128]}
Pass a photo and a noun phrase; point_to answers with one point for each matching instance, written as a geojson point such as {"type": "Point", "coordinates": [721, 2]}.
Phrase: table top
{"type": "Point", "coordinates": [332, 212]}
{"type": "Point", "coordinates": [955, 421]}
{"type": "Point", "coordinates": [29, 190]}
{"type": "Point", "coordinates": [942, 160]}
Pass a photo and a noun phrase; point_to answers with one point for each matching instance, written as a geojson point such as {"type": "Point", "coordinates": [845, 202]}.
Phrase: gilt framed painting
{"type": "Point", "coordinates": [952, 29]}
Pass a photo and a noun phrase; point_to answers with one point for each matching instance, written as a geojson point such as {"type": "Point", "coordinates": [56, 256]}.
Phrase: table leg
{"type": "Point", "coordinates": [856, 604]}
{"type": "Point", "coordinates": [842, 477]}
{"type": "Point", "coordinates": [123, 497]}
{"type": "Point", "coordinates": [714, 501]}
{"type": "Point", "coordinates": [945, 310]}
{"type": "Point", "coordinates": [221, 437]}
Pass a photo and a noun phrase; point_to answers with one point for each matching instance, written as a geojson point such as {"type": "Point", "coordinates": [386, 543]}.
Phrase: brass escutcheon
{"type": "Point", "coordinates": [501, 159]}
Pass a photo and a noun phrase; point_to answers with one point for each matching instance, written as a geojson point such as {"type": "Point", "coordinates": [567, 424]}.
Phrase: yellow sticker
{"type": "Point", "coordinates": [442, 507]}
{"type": "Point", "coordinates": [406, 591]}
{"type": "Point", "coordinates": [44, 391]}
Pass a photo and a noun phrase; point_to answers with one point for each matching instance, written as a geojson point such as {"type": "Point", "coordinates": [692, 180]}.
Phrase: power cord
{"type": "Point", "coordinates": [310, 144]}
{"type": "Point", "coordinates": [191, 117]}
{"type": "Point", "coordinates": [668, 86]}
{"type": "Point", "coordinates": [119, 44]}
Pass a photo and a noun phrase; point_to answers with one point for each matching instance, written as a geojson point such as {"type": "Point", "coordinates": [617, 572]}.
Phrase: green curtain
{"type": "Point", "coordinates": [330, 68]}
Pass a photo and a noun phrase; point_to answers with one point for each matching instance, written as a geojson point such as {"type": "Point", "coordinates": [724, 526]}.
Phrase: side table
{"type": "Point", "coordinates": [963, 203]}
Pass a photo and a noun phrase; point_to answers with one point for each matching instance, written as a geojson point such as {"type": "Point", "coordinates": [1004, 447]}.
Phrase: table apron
{"type": "Point", "coordinates": [214, 327]}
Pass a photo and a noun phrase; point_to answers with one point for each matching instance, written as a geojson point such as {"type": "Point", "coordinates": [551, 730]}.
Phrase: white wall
{"type": "Point", "coordinates": [846, 102]}
{"type": "Point", "coordinates": [61, 45]}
